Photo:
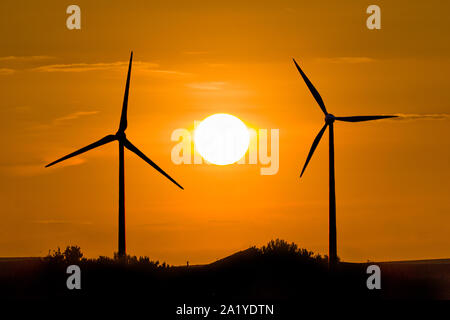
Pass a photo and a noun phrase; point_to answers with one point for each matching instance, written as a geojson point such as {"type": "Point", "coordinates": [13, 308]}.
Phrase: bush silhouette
{"type": "Point", "coordinates": [73, 254]}
{"type": "Point", "coordinates": [57, 256]}
{"type": "Point", "coordinates": [280, 248]}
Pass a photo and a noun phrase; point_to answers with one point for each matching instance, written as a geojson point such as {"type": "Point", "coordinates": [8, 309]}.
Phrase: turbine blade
{"type": "Point", "coordinates": [132, 148]}
{"type": "Point", "coordinates": [313, 90]}
{"type": "Point", "coordinates": [313, 147]}
{"type": "Point", "coordinates": [362, 118]}
{"type": "Point", "coordinates": [99, 143]}
{"type": "Point", "coordinates": [123, 118]}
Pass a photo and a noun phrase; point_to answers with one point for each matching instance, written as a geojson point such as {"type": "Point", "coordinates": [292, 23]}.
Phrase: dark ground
{"type": "Point", "coordinates": [278, 275]}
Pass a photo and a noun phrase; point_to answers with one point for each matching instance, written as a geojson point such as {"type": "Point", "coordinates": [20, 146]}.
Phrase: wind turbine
{"type": "Point", "coordinates": [123, 143]}
{"type": "Point", "coordinates": [329, 120]}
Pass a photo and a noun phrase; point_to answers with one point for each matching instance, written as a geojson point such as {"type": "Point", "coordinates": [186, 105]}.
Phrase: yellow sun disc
{"type": "Point", "coordinates": [221, 139]}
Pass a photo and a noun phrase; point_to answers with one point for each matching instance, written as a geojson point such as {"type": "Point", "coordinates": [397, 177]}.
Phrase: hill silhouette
{"type": "Point", "coordinates": [279, 272]}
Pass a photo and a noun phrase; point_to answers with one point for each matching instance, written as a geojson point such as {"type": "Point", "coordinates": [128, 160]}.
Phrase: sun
{"type": "Point", "coordinates": [221, 139]}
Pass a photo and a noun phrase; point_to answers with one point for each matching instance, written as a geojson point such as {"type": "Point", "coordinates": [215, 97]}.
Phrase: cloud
{"type": "Point", "coordinates": [38, 168]}
{"type": "Point", "coordinates": [22, 109]}
{"type": "Point", "coordinates": [74, 115]}
{"type": "Point", "coordinates": [210, 86]}
{"type": "Point", "coordinates": [423, 116]}
{"type": "Point", "coordinates": [215, 65]}
{"type": "Point", "coordinates": [139, 66]}
{"type": "Point", "coordinates": [80, 67]}
{"type": "Point", "coordinates": [6, 71]}
{"type": "Point", "coordinates": [195, 52]}
{"type": "Point", "coordinates": [18, 61]}
{"type": "Point", "coordinates": [168, 72]}
{"type": "Point", "coordinates": [62, 119]}
{"type": "Point", "coordinates": [23, 170]}
{"type": "Point", "coordinates": [25, 58]}
{"type": "Point", "coordinates": [60, 222]}
{"type": "Point", "coordinates": [346, 60]}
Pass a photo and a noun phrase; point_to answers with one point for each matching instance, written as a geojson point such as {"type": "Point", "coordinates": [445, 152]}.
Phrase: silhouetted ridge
{"type": "Point", "coordinates": [278, 271]}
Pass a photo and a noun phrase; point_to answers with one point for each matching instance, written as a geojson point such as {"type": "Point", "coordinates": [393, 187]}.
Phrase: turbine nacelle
{"type": "Point", "coordinates": [329, 118]}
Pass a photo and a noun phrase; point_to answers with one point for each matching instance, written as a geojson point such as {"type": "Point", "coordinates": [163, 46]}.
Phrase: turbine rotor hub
{"type": "Point", "coordinates": [329, 118]}
{"type": "Point", "coordinates": [121, 135]}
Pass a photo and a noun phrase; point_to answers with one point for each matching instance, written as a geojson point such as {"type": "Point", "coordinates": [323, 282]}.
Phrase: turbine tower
{"type": "Point", "coordinates": [329, 121]}
{"type": "Point", "coordinates": [123, 143]}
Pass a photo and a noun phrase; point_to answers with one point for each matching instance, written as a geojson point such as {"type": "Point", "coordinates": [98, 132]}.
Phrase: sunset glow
{"type": "Point", "coordinates": [63, 89]}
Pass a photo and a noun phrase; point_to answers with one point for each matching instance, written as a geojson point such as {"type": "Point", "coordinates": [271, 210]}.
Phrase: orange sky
{"type": "Point", "coordinates": [63, 89]}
